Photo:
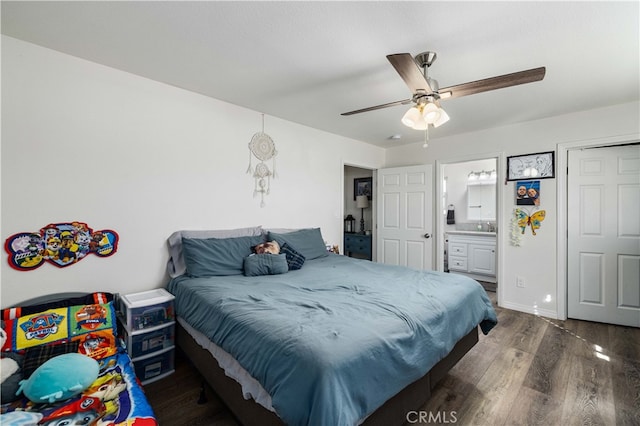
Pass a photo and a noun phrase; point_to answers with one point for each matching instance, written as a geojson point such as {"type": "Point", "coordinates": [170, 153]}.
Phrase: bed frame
{"type": "Point", "coordinates": [250, 413]}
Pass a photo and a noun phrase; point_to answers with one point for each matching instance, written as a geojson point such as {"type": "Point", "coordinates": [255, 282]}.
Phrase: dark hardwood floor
{"type": "Point", "coordinates": [529, 370]}
{"type": "Point", "coordinates": [184, 399]}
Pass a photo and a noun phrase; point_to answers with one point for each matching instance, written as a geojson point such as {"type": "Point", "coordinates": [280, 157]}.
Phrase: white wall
{"type": "Point", "coordinates": [536, 259]}
{"type": "Point", "coordinates": [85, 142]}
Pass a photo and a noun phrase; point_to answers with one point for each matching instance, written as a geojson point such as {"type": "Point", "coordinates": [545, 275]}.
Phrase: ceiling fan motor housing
{"type": "Point", "coordinates": [425, 59]}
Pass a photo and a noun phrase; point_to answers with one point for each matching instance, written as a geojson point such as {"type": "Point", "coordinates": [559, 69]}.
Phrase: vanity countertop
{"type": "Point", "coordinates": [478, 233]}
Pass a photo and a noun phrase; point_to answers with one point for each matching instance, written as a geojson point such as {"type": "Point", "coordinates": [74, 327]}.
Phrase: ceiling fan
{"type": "Point", "coordinates": [427, 94]}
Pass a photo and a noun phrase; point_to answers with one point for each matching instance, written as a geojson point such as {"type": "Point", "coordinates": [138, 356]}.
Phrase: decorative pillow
{"type": "Point", "coordinates": [294, 259]}
{"type": "Point", "coordinates": [217, 256]}
{"type": "Point", "coordinates": [307, 242]}
{"type": "Point", "coordinates": [176, 265]}
{"type": "Point", "coordinates": [38, 355]}
{"type": "Point", "coordinates": [60, 378]}
{"type": "Point", "coordinates": [265, 264]}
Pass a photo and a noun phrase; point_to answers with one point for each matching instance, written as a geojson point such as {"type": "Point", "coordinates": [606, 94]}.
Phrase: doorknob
{"type": "Point", "coordinates": [427, 235]}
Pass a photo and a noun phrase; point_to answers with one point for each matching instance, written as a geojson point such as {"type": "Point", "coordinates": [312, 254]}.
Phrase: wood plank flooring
{"type": "Point", "coordinates": [529, 370]}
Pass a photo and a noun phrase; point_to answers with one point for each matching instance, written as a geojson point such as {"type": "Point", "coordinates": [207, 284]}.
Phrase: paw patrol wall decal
{"type": "Point", "coordinates": [61, 244]}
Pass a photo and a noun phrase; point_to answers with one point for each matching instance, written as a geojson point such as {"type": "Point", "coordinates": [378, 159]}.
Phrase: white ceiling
{"type": "Point", "coordinates": [307, 62]}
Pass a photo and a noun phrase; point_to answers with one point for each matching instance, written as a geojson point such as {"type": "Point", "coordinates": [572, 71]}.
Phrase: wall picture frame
{"type": "Point", "coordinates": [539, 165]}
{"type": "Point", "coordinates": [362, 186]}
{"type": "Point", "coordinates": [528, 193]}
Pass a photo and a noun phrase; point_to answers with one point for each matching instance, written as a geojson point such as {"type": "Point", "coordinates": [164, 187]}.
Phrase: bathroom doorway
{"type": "Point", "coordinates": [468, 201]}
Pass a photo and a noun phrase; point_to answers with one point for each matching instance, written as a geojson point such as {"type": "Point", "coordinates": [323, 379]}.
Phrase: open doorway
{"type": "Point", "coordinates": [359, 214]}
{"type": "Point", "coordinates": [467, 220]}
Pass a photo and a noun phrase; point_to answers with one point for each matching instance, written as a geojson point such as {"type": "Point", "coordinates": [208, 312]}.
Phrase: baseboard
{"type": "Point", "coordinates": [530, 310]}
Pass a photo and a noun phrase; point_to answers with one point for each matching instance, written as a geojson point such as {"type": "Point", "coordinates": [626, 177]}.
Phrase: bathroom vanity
{"type": "Point", "coordinates": [473, 253]}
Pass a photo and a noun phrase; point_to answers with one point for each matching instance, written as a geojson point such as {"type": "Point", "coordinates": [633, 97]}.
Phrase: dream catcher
{"type": "Point", "coordinates": [531, 219]}
{"type": "Point", "coordinates": [263, 148]}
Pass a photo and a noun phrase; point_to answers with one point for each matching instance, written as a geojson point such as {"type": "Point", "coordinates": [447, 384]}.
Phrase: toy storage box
{"type": "Point", "coordinates": [146, 309]}
{"type": "Point", "coordinates": [144, 342]}
{"type": "Point", "coordinates": [155, 366]}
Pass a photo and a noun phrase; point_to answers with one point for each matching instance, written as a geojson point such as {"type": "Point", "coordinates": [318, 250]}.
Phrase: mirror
{"type": "Point", "coordinates": [481, 202]}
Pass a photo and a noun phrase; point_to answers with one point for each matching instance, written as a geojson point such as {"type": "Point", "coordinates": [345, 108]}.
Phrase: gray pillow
{"type": "Point", "coordinates": [176, 265]}
{"type": "Point", "coordinates": [307, 242]}
{"type": "Point", "coordinates": [217, 256]}
{"type": "Point", "coordinates": [265, 264]}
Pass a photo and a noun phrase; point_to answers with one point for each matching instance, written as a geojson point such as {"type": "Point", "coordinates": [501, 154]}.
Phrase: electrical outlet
{"type": "Point", "coordinates": [520, 282]}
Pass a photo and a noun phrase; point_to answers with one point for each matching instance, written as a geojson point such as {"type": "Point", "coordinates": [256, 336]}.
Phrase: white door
{"type": "Point", "coordinates": [405, 216]}
{"type": "Point", "coordinates": [603, 250]}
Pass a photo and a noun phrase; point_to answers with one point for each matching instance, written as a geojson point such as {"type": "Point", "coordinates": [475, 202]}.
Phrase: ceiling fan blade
{"type": "Point", "coordinates": [373, 108]}
{"type": "Point", "coordinates": [406, 66]}
{"type": "Point", "coordinates": [493, 83]}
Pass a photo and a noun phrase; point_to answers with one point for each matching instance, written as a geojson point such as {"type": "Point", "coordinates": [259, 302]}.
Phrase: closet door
{"type": "Point", "coordinates": [603, 249]}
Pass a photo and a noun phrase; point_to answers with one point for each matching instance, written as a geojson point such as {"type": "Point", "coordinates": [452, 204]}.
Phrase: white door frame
{"type": "Point", "coordinates": [562, 217]}
{"type": "Point", "coordinates": [439, 222]}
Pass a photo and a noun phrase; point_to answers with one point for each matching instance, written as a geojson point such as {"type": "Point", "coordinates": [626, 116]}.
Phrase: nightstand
{"type": "Point", "coordinates": [147, 326]}
{"type": "Point", "coordinates": [357, 244]}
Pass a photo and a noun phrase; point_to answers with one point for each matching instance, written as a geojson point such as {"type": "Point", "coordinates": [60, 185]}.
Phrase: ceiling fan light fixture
{"type": "Point", "coordinates": [421, 124]}
{"type": "Point", "coordinates": [427, 93]}
{"type": "Point", "coordinates": [411, 117]}
{"type": "Point", "coordinates": [431, 113]}
{"type": "Point", "coordinates": [444, 117]}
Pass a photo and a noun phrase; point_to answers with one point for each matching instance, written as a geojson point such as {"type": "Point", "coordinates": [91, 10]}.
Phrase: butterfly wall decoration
{"type": "Point", "coordinates": [530, 219]}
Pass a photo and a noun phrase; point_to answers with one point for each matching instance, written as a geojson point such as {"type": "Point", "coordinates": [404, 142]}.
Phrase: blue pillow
{"type": "Point", "coordinates": [60, 378]}
{"type": "Point", "coordinates": [307, 242]}
{"type": "Point", "coordinates": [265, 264]}
{"type": "Point", "coordinates": [294, 259]}
{"type": "Point", "coordinates": [217, 256]}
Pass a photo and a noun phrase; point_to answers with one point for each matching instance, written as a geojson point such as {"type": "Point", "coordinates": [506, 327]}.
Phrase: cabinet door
{"type": "Point", "coordinates": [481, 202]}
{"type": "Point", "coordinates": [481, 259]}
{"type": "Point", "coordinates": [357, 243]}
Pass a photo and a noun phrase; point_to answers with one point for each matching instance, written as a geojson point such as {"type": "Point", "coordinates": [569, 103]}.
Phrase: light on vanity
{"type": "Point", "coordinates": [483, 176]}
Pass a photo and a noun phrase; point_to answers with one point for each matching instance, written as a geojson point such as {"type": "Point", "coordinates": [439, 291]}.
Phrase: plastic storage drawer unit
{"type": "Point", "coordinates": [144, 342]}
{"type": "Point", "coordinates": [150, 368]}
{"type": "Point", "coordinates": [146, 309]}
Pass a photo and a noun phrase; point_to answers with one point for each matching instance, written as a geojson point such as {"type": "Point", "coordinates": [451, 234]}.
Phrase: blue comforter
{"type": "Point", "coordinates": [333, 341]}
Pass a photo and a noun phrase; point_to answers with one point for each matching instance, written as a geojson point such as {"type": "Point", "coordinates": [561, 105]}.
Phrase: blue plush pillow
{"type": "Point", "coordinates": [60, 378]}
{"type": "Point", "coordinates": [217, 256]}
{"type": "Point", "coordinates": [307, 242]}
{"type": "Point", "coordinates": [294, 259]}
{"type": "Point", "coordinates": [265, 264]}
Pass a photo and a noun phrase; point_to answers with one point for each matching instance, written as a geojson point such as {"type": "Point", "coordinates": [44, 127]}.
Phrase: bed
{"type": "Point", "coordinates": [47, 329]}
{"type": "Point", "coordinates": [327, 340]}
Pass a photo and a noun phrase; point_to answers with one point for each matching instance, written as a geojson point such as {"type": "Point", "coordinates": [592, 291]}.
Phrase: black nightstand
{"type": "Point", "coordinates": [357, 243]}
